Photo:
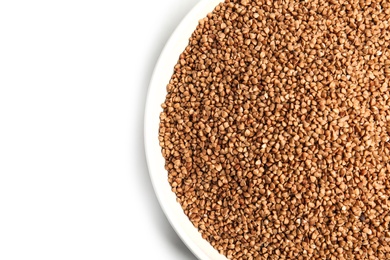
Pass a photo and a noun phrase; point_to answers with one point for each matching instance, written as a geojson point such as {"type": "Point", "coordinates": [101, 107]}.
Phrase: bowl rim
{"type": "Point", "coordinates": [155, 97]}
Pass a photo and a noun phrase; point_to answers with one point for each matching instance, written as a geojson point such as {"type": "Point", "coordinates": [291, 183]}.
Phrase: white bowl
{"type": "Point", "coordinates": [156, 96]}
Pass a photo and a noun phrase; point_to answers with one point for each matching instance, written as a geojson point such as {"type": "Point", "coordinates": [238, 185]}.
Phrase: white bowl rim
{"type": "Point", "coordinates": [155, 161]}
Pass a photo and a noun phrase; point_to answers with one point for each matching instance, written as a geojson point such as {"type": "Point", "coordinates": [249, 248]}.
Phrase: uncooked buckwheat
{"type": "Point", "coordinates": [276, 126]}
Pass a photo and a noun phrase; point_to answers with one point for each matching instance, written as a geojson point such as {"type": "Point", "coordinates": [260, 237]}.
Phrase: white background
{"type": "Point", "coordinates": [73, 81]}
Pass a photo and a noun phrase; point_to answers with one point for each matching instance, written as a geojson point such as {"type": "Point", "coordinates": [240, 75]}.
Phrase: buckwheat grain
{"type": "Point", "coordinates": [276, 129]}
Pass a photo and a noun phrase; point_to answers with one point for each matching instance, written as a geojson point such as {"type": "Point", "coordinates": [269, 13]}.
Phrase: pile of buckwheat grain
{"type": "Point", "coordinates": [276, 129]}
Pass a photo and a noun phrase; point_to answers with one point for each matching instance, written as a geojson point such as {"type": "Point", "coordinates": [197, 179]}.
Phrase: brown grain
{"type": "Point", "coordinates": [276, 129]}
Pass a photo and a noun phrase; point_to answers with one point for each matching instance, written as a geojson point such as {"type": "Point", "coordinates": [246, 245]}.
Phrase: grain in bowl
{"type": "Point", "coordinates": [276, 126]}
